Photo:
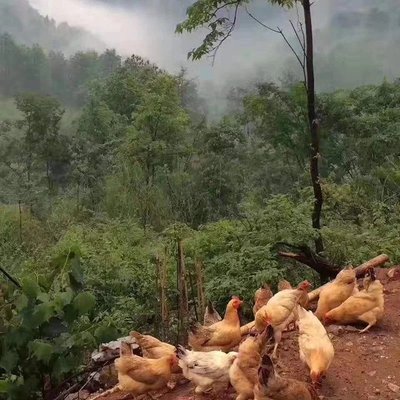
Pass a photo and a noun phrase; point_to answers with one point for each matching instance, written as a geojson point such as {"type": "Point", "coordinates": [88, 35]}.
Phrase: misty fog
{"type": "Point", "coordinates": [348, 54]}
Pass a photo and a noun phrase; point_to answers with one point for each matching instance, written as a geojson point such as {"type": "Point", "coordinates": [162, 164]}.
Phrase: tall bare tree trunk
{"type": "Point", "coordinates": [314, 127]}
{"type": "Point", "coordinates": [183, 295]}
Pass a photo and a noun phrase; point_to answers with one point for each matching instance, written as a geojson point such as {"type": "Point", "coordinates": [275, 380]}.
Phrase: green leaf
{"type": "Point", "coordinates": [4, 386]}
{"type": "Point", "coordinates": [21, 302]}
{"type": "Point", "coordinates": [76, 273]}
{"type": "Point", "coordinates": [43, 297]}
{"type": "Point", "coordinates": [30, 287]}
{"type": "Point", "coordinates": [42, 351]}
{"type": "Point", "coordinates": [70, 313]}
{"type": "Point", "coordinates": [9, 360]}
{"type": "Point", "coordinates": [63, 365]}
{"type": "Point", "coordinates": [84, 302]}
{"type": "Point", "coordinates": [105, 334]}
{"type": "Point", "coordinates": [42, 313]}
{"type": "Point", "coordinates": [63, 299]}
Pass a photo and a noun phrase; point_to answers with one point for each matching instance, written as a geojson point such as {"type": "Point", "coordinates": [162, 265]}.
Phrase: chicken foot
{"type": "Point", "coordinates": [369, 318]}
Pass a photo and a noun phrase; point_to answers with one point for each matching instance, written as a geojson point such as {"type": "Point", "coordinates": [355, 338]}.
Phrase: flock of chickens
{"type": "Point", "coordinates": [223, 353]}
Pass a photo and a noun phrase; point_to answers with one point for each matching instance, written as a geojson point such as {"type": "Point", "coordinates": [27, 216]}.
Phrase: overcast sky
{"type": "Point", "coordinates": [146, 28]}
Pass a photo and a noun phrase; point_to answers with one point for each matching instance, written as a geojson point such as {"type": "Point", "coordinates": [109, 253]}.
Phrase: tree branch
{"type": "Point", "coordinates": [278, 30]}
{"type": "Point", "coordinates": [228, 34]}
{"type": "Point", "coordinates": [13, 280]}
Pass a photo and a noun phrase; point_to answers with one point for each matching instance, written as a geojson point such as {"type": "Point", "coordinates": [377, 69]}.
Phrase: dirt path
{"type": "Point", "coordinates": [366, 366]}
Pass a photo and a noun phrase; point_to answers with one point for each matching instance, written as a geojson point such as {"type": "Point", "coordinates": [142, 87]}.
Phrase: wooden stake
{"type": "Point", "coordinates": [200, 286]}
{"type": "Point", "coordinates": [183, 295]}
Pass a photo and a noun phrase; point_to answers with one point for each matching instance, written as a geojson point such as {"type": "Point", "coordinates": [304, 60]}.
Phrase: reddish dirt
{"type": "Point", "coordinates": [366, 366]}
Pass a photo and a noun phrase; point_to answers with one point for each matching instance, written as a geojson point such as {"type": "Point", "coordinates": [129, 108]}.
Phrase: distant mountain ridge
{"type": "Point", "coordinates": [27, 26]}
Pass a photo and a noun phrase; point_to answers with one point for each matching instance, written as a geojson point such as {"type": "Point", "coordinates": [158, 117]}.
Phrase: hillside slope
{"type": "Point", "coordinates": [366, 366]}
{"type": "Point", "coordinates": [24, 23]}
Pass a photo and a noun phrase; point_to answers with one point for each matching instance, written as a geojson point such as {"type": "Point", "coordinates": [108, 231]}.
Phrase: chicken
{"type": "Point", "coordinates": [284, 284]}
{"type": "Point", "coordinates": [370, 276]}
{"type": "Point", "coordinates": [207, 371]}
{"type": "Point", "coordinates": [334, 294]}
{"type": "Point", "coordinates": [153, 348]}
{"type": "Point", "coordinates": [271, 386]}
{"type": "Point", "coordinates": [244, 371]}
{"type": "Point", "coordinates": [366, 306]}
{"type": "Point", "coordinates": [211, 315]}
{"type": "Point", "coordinates": [280, 311]}
{"type": "Point", "coordinates": [137, 375]}
{"type": "Point", "coordinates": [261, 297]}
{"type": "Point", "coordinates": [316, 349]}
{"type": "Point", "coordinates": [223, 335]}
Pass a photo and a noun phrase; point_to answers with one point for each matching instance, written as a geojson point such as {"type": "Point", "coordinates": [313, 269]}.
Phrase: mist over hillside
{"type": "Point", "coordinates": [27, 26]}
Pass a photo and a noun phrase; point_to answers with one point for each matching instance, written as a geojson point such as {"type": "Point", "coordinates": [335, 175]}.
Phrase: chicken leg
{"type": "Point", "coordinates": [277, 339]}
{"type": "Point", "coordinates": [369, 318]}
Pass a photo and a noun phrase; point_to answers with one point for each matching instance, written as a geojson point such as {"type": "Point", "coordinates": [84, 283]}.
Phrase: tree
{"type": "Point", "coordinates": [210, 14]}
{"type": "Point", "coordinates": [156, 140]}
{"type": "Point", "coordinates": [41, 124]}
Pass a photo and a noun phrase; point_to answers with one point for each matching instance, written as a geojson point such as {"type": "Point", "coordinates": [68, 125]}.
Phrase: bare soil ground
{"type": "Point", "coordinates": [366, 366]}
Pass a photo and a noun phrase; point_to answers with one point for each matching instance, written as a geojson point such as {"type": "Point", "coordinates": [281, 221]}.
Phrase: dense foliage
{"type": "Point", "coordinates": [91, 203]}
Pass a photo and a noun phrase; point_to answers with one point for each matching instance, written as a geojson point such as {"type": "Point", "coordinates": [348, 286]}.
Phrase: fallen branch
{"type": "Point", "coordinates": [305, 255]}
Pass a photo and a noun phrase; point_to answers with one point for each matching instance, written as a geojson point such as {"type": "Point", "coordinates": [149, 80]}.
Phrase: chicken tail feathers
{"type": "Point", "coordinates": [180, 352]}
{"type": "Point", "coordinates": [266, 370]}
{"type": "Point", "coordinates": [125, 350]}
{"type": "Point", "coordinates": [138, 336]}
{"type": "Point", "coordinates": [210, 307]}
{"type": "Point", "coordinates": [194, 327]}
{"type": "Point", "coordinates": [266, 335]}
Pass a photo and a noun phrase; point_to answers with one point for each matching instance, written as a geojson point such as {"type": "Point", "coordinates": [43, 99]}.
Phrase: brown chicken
{"type": "Point", "coordinates": [271, 386]}
{"type": "Point", "coordinates": [223, 335]}
{"type": "Point", "coordinates": [280, 311]}
{"type": "Point", "coordinates": [137, 375]}
{"type": "Point", "coordinates": [284, 284]}
{"type": "Point", "coordinates": [335, 293]}
{"type": "Point", "coordinates": [153, 348]}
{"type": "Point", "coordinates": [244, 371]}
{"type": "Point", "coordinates": [211, 315]}
{"type": "Point", "coordinates": [261, 297]}
{"type": "Point", "coordinates": [365, 306]}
